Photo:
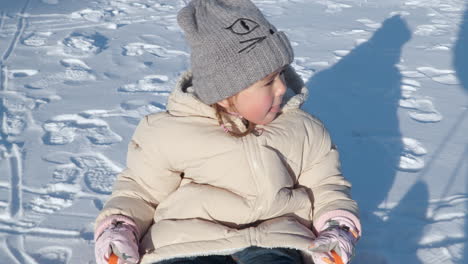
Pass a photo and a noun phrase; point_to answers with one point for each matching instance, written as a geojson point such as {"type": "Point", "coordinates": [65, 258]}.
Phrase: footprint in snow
{"type": "Point", "coordinates": [340, 53]}
{"type": "Point", "coordinates": [94, 15]}
{"type": "Point", "coordinates": [75, 64]}
{"type": "Point", "coordinates": [56, 197]}
{"type": "Point", "coordinates": [53, 255]}
{"type": "Point", "coordinates": [409, 86]}
{"type": "Point", "coordinates": [37, 39]}
{"type": "Point", "coordinates": [16, 102]}
{"type": "Point", "coordinates": [64, 129]}
{"type": "Point", "coordinates": [20, 73]}
{"type": "Point", "coordinates": [138, 49]}
{"type": "Point", "coordinates": [439, 47]}
{"type": "Point", "coordinates": [360, 41]}
{"type": "Point", "coordinates": [333, 7]}
{"type": "Point", "coordinates": [407, 91]}
{"type": "Point", "coordinates": [95, 171]}
{"type": "Point", "coordinates": [150, 83]}
{"type": "Point", "coordinates": [61, 192]}
{"type": "Point", "coordinates": [15, 124]}
{"type": "Point", "coordinates": [99, 172]}
{"type": "Point", "coordinates": [270, 9]}
{"type": "Point", "coordinates": [422, 110]}
{"type": "Point", "coordinates": [132, 111]}
{"type": "Point", "coordinates": [407, 74]}
{"type": "Point", "coordinates": [17, 108]}
{"type": "Point", "coordinates": [447, 6]}
{"type": "Point", "coordinates": [140, 5]}
{"type": "Point", "coordinates": [305, 67]}
{"type": "Point", "coordinates": [76, 72]}
{"type": "Point", "coordinates": [80, 45]}
{"type": "Point", "coordinates": [349, 32]}
{"type": "Point", "coordinates": [16, 112]}
{"type": "Point", "coordinates": [411, 155]}
{"type": "Point", "coordinates": [166, 7]}
{"type": "Point", "coordinates": [432, 30]}
{"type": "Point", "coordinates": [411, 159]}
{"type": "Point", "coordinates": [440, 76]}
{"type": "Point", "coordinates": [132, 7]}
{"type": "Point", "coordinates": [369, 23]}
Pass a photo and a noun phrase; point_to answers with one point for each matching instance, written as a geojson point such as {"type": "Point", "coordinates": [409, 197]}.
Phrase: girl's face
{"type": "Point", "coordinates": [260, 102]}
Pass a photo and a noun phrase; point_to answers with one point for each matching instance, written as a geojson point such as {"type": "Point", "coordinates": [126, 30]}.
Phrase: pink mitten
{"type": "Point", "coordinates": [117, 234]}
{"type": "Point", "coordinates": [339, 235]}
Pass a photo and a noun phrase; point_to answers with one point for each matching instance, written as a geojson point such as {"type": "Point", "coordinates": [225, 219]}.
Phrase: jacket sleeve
{"type": "Point", "coordinates": [146, 181]}
{"type": "Point", "coordinates": [321, 174]}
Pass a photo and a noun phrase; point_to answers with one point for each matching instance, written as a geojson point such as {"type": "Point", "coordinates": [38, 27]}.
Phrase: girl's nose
{"type": "Point", "coordinates": [281, 87]}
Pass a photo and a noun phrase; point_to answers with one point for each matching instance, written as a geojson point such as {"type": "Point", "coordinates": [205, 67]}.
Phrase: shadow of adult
{"type": "Point", "coordinates": [398, 241]}
{"type": "Point", "coordinates": [404, 226]}
{"type": "Point", "coordinates": [460, 56]}
{"type": "Point", "coordinates": [10, 8]}
{"type": "Point", "coordinates": [357, 99]}
{"type": "Point", "coordinates": [460, 64]}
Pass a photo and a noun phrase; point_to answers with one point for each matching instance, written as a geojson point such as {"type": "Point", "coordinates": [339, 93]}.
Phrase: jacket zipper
{"type": "Point", "coordinates": [252, 152]}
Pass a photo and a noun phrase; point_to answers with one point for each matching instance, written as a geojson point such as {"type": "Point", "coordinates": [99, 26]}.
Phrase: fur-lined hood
{"type": "Point", "coordinates": [184, 102]}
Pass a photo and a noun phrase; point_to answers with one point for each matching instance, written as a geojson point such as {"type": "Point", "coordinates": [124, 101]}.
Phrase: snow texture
{"type": "Point", "coordinates": [388, 78]}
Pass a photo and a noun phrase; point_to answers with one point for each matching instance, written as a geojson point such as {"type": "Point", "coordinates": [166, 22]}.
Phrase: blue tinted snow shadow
{"type": "Point", "coordinates": [460, 64]}
{"type": "Point", "coordinates": [460, 56]}
{"type": "Point", "coordinates": [11, 8]}
{"type": "Point", "coordinates": [357, 99]}
{"type": "Point", "coordinates": [404, 227]}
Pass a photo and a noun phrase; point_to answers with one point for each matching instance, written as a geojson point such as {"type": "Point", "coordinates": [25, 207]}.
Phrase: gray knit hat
{"type": "Point", "coordinates": [232, 46]}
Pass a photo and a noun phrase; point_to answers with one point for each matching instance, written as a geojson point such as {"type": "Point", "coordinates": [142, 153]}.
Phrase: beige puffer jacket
{"type": "Point", "coordinates": [192, 189]}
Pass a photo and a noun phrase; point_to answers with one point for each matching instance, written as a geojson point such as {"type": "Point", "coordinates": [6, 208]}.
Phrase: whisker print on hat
{"type": "Point", "coordinates": [252, 45]}
{"type": "Point", "coordinates": [232, 46]}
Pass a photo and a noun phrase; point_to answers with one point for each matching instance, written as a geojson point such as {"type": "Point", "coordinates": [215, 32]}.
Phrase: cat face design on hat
{"type": "Point", "coordinates": [245, 26]}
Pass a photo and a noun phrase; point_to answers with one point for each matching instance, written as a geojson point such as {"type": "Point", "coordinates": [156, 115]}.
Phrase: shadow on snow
{"type": "Point", "coordinates": [357, 99]}
{"type": "Point", "coordinates": [460, 64]}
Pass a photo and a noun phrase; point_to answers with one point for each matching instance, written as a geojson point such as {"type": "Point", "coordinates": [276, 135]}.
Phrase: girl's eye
{"type": "Point", "coordinates": [269, 83]}
{"type": "Point", "coordinates": [279, 75]}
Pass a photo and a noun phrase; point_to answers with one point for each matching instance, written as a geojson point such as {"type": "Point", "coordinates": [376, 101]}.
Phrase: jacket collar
{"type": "Point", "coordinates": [183, 101]}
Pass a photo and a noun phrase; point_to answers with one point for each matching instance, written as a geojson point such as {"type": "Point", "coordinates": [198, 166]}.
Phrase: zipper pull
{"type": "Point", "coordinates": [113, 259]}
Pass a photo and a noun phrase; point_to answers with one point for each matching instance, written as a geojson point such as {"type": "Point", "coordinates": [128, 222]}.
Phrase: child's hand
{"type": "Point", "coordinates": [117, 234]}
{"type": "Point", "coordinates": [338, 238]}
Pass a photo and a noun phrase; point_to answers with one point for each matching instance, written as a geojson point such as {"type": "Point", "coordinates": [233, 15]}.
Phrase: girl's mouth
{"type": "Point", "coordinates": [275, 109]}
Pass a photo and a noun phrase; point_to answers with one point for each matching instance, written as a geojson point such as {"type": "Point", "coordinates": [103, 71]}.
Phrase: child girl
{"type": "Point", "coordinates": [233, 171]}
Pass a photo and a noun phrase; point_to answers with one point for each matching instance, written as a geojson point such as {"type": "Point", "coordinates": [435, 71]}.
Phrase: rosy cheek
{"type": "Point", "coordinates": [266, 100]}
{"type": "Point", "coordinates": [261, 106]}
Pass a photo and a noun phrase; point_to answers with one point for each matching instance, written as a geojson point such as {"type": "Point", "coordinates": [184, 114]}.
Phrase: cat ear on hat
{"type": "Point", "coordinates": [187, 20]}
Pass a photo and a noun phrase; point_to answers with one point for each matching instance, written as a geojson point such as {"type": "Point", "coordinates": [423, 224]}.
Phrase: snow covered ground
{"type": "Point", "coordinates": [388, 78]}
